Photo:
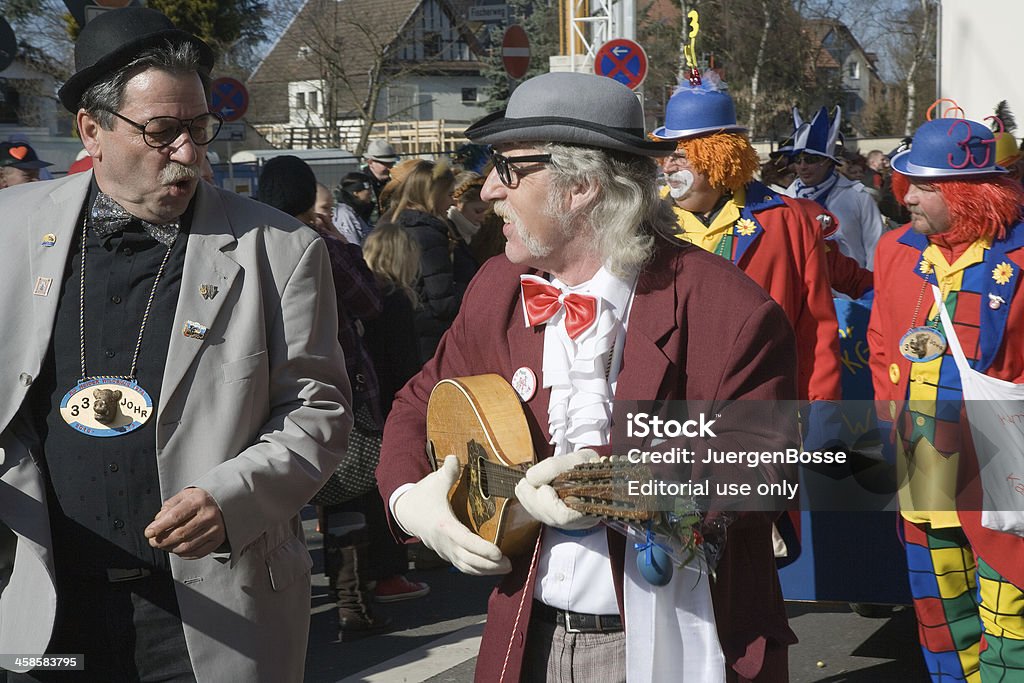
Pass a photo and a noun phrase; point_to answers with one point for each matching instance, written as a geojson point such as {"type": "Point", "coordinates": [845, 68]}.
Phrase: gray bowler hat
{"type": "Point", "coordinates": [572, 108]}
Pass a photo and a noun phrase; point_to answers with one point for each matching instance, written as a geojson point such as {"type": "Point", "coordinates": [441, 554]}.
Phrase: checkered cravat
{"type": "Point", "coordinates": [108, 217]}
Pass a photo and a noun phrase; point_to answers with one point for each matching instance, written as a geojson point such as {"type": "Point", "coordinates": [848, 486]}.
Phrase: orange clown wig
{"type": "Point", "coordinates": [977, 208]}
{"type": "Point", "coordinates": [727, 160]}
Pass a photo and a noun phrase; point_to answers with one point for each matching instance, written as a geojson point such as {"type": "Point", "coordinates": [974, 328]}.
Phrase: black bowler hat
{"type": "Point", "coordinates": [115, 38]}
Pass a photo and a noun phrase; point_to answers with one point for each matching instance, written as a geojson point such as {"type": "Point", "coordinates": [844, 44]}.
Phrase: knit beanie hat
{"type": "Point", "coordinates": [287, 183]}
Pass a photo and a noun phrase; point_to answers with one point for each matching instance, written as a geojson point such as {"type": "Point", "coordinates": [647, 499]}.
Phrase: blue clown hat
{"type": "Point", "coordinates": [693, 111]}
{"type": "Point", "coordinates": [949, 148]}
{"type": "Point", "coordinates": [820, 136]}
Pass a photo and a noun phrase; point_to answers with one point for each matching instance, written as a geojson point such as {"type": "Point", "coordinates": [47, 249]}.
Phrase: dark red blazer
{"type": "Point", "coordinates": [699, 329]}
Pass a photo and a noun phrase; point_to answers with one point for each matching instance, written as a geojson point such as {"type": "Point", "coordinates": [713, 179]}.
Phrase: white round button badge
{"type": "Point", "coordinates": [524, 381]}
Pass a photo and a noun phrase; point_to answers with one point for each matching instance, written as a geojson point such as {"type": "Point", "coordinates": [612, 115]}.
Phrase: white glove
{"type": "Point", "coordinates": [424, 511]}
{"type": "Point", "coordinates": [537, 497]}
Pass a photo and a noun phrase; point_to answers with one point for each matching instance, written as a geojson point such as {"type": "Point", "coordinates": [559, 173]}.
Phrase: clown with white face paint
{"type": "Point", "coordinates": [679, 184]}
{"type": "Point", "coordinates": [775, 240]}
{"type": "Point", "coordinates": [720, 208]}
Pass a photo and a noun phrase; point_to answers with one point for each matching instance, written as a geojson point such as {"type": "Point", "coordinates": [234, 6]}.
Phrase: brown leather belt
{"type": "Point", "coordinates": [577, 622]}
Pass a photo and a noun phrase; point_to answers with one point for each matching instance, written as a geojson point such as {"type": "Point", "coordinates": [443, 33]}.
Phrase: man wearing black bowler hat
{"type": "Point", "coordinates": [175, 391]}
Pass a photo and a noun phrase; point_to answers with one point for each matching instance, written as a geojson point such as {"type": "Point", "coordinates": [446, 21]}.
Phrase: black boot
{"type": "Point", "coordinates": [355, 618]}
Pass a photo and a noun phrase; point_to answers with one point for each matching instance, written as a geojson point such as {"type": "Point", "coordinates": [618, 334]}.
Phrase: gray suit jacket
{"type": "Point", "coordinates": [257, 414]}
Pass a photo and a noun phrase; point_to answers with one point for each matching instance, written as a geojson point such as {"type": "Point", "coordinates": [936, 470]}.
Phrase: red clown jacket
{"type": "Point", "coordinates": [784, 253]}
{"type": "Point", "coordinates": [898, 281]}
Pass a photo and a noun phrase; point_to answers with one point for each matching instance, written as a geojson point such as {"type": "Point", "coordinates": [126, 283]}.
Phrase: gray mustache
{"type": "Point", "coordinates": [175, 173]}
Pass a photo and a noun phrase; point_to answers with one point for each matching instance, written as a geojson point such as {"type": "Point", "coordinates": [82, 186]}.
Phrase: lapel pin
{"type": "Point", "coordinates": [1002, 273]}
{"type": "Point", "coordinates": [42, 287]}
{"type": "Point", "coordinates": [524, 381]}
{"type": "Point", "coordinates": [746, 227]}
{"type": "Point", "coordinates": [49, 239]}
{"type": "Point", "coordinates": [995, 301]}
{"type": "Point", "coordinates": [194, 330]}
{"type": "Point", "coordinates": [208, 291]}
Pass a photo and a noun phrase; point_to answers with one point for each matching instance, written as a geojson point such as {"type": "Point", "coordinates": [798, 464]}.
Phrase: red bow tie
{"type": "Point", "coordinates": [542, 300]}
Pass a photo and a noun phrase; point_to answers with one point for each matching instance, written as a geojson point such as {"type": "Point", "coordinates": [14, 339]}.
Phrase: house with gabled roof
{"type": "Point", "coordinates": [408, 65]}
{"type": "Point", "coordinates": [27, 85]}
{"type": "Point", "coordinates": [837, 54]}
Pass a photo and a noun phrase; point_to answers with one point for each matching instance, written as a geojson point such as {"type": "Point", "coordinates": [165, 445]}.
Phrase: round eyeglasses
{"type": "Point", "coordinates": [161, 131]}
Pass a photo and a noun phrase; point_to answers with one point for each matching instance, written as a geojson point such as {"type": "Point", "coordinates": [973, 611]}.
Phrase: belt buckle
{"type": "Point", "coordinates": [581, 623]}
{"type": "Point", "coordinates": [118, 575]}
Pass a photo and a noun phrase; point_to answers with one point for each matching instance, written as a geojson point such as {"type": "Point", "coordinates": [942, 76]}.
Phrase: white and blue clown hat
{"type": "Point", "coordinates": [704, 109]}
{"type": "Point", "coordinates": [819, 137]}
{"type": "Point", "coordinates": [949, 148]}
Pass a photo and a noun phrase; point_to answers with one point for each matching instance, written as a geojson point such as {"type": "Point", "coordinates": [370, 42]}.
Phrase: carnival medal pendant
{"type": "Point", "coordinates": [922, 344]}
{"type": "Point", "coordinates": [106, 406]}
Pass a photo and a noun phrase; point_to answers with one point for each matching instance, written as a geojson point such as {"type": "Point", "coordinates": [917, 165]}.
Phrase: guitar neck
{"type": "Point", "coordinates": [600, 488]}
{"type": "Point", "coordinates": [500, 480]}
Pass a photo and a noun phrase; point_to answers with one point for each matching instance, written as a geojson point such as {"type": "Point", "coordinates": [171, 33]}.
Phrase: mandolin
{"type": "Point", "coordinates": [480, 421]}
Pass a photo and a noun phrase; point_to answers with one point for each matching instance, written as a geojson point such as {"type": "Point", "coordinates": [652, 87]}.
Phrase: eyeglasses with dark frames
{"type": "Point", "coordinates": [161, 131]}
{"type": "Point", "coordinates": [808, 159]}
{"type": "Point", "coordinates": [507, 166]}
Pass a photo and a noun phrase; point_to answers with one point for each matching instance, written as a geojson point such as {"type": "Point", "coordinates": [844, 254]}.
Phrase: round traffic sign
{"type": "Point", "coordinates": [229, 98]}
{"type": "Point", "coordinates": [622, 59]}
{"type": "Point", "coordinates": [515, 51]}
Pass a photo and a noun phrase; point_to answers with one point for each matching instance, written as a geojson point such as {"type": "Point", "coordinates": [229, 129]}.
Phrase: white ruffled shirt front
{"type": "Point", "coordinates": [671, 634]}
{"type": "Point", "coordinates": [573, 568]}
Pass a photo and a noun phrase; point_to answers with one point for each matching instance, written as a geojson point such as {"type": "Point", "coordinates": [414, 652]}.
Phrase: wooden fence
{"type": "Point", "coordinates": [416, 138]}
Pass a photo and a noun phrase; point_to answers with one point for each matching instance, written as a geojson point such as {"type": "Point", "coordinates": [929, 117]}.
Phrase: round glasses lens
{"type": "Point", "coordinates": [163, 130]}
{"type": "Point", "coordinates": [204, 128]}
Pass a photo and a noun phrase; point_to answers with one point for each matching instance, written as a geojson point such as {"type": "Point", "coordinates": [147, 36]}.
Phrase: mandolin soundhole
{"type": "Point", "coordinates": [480, 504]}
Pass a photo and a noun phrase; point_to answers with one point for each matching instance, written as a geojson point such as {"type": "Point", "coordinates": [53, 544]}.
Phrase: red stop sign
{"type": "Point", "coordinates": [515, 51]}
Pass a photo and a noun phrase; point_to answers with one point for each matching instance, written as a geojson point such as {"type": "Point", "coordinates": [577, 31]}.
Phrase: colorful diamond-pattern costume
{"type": "Point", "coordinates": [965, 579]}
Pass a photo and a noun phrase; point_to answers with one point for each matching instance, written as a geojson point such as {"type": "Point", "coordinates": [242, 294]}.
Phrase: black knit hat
{"type": "Point", "coordinates": [288, 184]}
{"type": "Point", "coordinates": [355, 181]}
{"type": "Point", "coordinates": [113, 39]}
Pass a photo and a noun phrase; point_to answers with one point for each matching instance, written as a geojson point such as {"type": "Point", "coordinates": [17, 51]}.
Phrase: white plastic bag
{"type": "Point", "coordinates": [995, 411]}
